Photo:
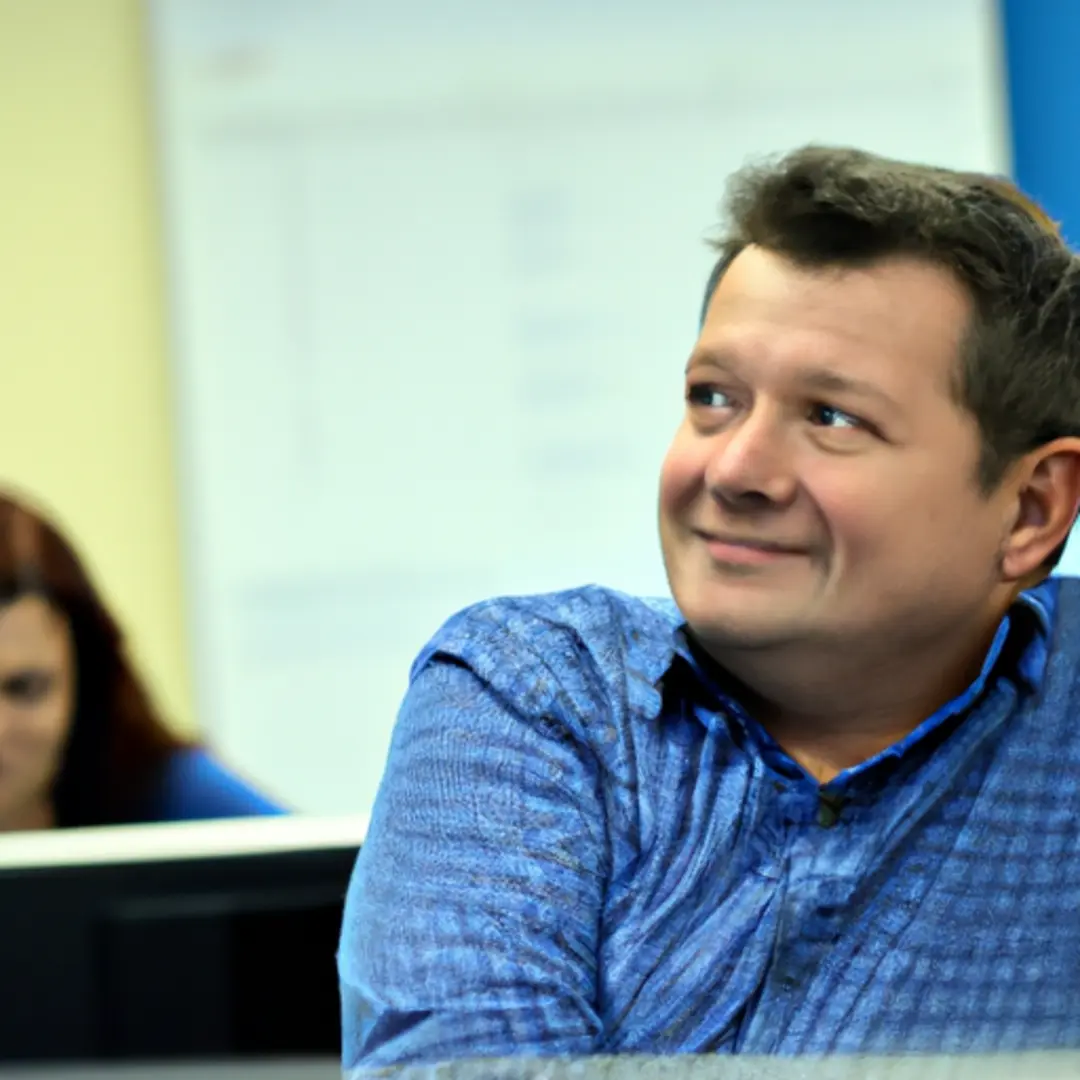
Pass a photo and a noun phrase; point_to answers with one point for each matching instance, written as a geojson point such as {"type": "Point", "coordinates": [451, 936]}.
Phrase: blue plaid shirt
{"type": "Point", "coordinates": [583, 844]}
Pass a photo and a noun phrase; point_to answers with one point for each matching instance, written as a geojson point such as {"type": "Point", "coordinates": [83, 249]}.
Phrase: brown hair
{"type": "Point", "coordinates": [1019, 372]}
{"type": "Point", "coordinates": [117, 742]}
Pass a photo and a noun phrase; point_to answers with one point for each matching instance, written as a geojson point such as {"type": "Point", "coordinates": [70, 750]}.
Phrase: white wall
{"type": "Point", "coordinates": [435, 270]}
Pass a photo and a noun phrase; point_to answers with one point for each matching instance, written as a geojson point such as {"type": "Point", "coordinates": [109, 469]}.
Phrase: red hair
{"type": "Point", "coordinates": [117, 743]}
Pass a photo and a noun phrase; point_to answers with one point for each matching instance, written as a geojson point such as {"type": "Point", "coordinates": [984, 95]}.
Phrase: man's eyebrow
{"type": "Point", "coordinates": [832, 382]}
{"type": "Point", "coordinates": [708, 358]}
{"type": "Point", "coordinates": [819, 380]}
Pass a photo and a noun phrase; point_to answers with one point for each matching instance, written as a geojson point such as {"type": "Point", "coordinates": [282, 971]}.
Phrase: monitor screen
{"type": "Point", "coordinates": [213, 940]}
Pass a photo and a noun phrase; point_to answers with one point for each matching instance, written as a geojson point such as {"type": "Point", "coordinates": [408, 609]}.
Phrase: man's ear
{"type": "Point", "coordinates": [1047, 488]}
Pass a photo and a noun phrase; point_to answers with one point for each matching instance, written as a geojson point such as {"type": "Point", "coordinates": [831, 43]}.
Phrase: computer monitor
{"type": "Point", "coordinates": [210, 940]}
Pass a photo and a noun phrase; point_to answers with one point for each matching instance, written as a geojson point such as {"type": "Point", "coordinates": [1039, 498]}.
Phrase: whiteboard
{"type": "Point", "coordinates": [434, 271]}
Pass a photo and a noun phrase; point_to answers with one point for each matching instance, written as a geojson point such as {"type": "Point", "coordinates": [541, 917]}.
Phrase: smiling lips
{"type": "Point", "coordinates": [744, 551]}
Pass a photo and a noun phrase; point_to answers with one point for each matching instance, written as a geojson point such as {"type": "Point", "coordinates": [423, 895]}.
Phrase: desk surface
{"type": "Point", "coordinates": [1048, 1066]}
{"type": "Point", "coordinates": [171, 841]}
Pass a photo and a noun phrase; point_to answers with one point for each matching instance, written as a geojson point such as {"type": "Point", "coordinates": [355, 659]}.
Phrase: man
{"type": "Point", "coordinates": [829, 800]}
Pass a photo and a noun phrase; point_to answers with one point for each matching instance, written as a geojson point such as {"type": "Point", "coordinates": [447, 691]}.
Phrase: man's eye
{"type": "Point", "coordinates": [828, 416]}
{"type": "Point", "coordinates": [709, 397]}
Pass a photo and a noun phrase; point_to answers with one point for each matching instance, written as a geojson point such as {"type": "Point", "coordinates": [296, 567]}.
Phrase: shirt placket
{"type": "Point", "coordinates": [815, 885]}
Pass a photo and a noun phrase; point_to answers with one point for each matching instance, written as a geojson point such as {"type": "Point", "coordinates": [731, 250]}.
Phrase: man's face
{"type": "Point", "coordinates": [821, 488]}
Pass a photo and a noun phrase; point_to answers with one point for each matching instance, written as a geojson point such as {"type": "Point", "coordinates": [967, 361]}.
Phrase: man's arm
{"type": "Point", "coordinates": [472, 918]}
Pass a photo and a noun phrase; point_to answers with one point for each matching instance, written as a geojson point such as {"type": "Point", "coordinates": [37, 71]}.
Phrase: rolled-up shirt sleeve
{"type": "Point", "coordinates": [472, 917]}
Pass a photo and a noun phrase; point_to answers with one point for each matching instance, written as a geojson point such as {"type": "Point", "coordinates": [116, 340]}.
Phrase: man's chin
{"type": "Point", "coordinates": [725, 628]}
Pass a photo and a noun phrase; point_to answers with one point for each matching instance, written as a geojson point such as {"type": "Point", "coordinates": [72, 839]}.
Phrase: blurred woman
{"type": "Point", "coordinates": [80, 741]}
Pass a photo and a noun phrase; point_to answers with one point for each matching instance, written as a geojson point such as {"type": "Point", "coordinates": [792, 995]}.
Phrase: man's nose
{"type": "Point", "coordinates": [752, 463]}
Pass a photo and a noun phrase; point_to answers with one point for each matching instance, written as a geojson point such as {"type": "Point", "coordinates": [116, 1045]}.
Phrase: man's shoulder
{"type": "Point", "coordinates": [1057, 602]}
{"type": "Point", "coordinates": [557, 627]}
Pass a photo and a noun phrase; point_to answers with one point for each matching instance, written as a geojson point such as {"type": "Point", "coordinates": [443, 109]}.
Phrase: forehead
{"type": "Point", "coordinates": [899, 322]}
{"type": "Point", "coordinates": [32, 632]}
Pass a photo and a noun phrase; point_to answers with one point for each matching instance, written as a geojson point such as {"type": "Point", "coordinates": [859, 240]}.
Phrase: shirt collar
{"type": "Point", "coordinates": [1035, 607]}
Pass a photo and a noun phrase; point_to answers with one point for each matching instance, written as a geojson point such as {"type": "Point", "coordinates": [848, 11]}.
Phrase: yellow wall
{"type": "Point", "coordinates": [85, 419]}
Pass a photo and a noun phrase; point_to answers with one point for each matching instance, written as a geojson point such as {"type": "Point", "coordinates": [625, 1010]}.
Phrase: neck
{"type": "Point", "coordinates": [832, 708]}
{"type": "Point", "coordinates": [38, 814]}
